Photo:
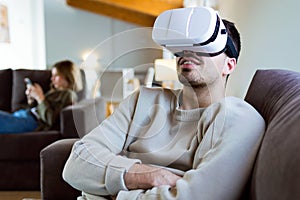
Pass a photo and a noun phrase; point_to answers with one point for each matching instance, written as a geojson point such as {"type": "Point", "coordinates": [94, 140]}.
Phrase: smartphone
{"type": "Point", "coordinates": [27, 81]}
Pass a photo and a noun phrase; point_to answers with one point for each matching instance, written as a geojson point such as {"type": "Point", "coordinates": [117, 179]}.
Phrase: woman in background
{"type": "Point", "coordinates": [65, 81]}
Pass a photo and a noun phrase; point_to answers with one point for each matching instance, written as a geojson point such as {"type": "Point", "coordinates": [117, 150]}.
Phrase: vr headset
{"type": "Point", "coordinates": [197, 29]}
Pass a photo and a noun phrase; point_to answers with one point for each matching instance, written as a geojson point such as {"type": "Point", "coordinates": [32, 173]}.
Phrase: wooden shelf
{"type": "Point", "coordinates": [141, 12]}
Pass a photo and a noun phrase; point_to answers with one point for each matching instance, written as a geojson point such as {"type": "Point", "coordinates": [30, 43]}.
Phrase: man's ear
{"type": "Point", "coordinates": [230, 64]}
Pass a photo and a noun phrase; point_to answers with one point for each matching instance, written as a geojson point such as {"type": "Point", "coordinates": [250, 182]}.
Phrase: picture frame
{"type": "Point", "coordinates": [4, 26]}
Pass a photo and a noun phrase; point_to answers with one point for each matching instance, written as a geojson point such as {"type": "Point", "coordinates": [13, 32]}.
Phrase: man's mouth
{"type": "Point", "coordinates": [188, 62]}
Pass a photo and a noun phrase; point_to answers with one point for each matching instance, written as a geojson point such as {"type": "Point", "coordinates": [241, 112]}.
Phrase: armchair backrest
{"type": "Point", "coordinates": [276, 95]}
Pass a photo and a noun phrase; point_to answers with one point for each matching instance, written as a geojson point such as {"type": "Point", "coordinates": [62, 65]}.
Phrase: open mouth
{"type": "Point", "coordinates": [188, 62]}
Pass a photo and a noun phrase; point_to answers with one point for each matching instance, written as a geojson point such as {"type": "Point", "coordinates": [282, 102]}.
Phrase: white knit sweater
{"type": "Point", "coordinates": [214, 148]}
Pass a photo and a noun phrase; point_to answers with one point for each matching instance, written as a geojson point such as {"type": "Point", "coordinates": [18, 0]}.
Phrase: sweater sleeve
{"type": "Point", "coordinates": [229, 136]}
{"type": "Point", "coordinates": [97, 158]}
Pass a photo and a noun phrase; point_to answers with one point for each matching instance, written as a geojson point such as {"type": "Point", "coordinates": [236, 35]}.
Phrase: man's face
{"type": "Point", "coordinates": [200, 71]}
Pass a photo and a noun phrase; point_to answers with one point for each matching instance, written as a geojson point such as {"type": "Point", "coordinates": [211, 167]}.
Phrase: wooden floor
{"type": "Point", "coordinates": [20, 195]}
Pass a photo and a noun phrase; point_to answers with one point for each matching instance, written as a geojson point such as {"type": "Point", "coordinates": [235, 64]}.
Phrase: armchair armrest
{"type": "Point", "coordinates": [76, 121]}
{"type": "Point", "coordinates": [79, 119]}
{"type": "Point", "coordinates": [53, 158]}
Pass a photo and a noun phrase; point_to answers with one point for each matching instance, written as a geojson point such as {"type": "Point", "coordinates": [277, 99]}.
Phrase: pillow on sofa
{"type": "Point", "coordinates": [276, 95]}
{"type": "Point", "coordinates": [41, 77]}
{"type": "Point", "coordinates": [5, 89]}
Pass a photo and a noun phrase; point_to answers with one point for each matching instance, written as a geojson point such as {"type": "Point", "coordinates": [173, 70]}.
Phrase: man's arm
{"type": "Point", "coordinates": [231, 136]}
{"type": "Point", "coordinates": [95, 164]}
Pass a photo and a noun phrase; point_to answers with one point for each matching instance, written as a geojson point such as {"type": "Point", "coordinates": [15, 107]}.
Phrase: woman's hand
{"type": "Point", "coordinates": [36, 92]}
{"type": "Point", "coordinates": [142, 176]}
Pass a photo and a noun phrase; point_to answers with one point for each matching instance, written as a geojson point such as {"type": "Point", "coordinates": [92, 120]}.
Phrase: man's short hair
{"type": "Point", "coordinates": [234, 34]}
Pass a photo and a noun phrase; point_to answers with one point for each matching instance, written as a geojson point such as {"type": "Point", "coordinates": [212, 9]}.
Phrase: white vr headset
{"type": "Point", "coordinates": [197, 29]}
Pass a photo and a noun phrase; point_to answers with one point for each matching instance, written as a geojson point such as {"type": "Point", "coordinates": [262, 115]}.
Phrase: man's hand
{"type": "Point", "coordinates": [142, 176]}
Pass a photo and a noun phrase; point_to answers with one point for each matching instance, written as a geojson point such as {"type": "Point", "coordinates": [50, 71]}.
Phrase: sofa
{"type": "Point", "coordinates": [20, 153]}
{"type": "Point", "coordinates": [276, 173]}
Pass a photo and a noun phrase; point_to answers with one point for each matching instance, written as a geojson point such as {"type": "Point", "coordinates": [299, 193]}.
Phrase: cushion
{"type": "Point", "coordinates": [5, 89]}
{"type": "Point", "coordinates": [41, 77]}
{"type": "Point", "coordinates": [276, 95]}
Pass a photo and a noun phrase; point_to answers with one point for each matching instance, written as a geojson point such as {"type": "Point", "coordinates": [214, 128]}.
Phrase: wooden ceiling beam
{"type": "Point", "coordinates": [141, 12]}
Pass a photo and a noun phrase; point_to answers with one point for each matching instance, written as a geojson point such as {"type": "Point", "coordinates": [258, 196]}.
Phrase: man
{"type": "Point", "coordinates": [193, 143]}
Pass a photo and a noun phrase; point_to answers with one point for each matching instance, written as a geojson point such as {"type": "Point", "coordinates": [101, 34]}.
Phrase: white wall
{"type": "Point", "coordinates": [27, 43]}
{"type": "Point", "coordinates": [270, 37]}
{"type": "Point", "coordinates": [70, 32]}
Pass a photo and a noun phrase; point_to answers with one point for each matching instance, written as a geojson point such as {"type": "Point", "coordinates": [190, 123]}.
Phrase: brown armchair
{"type": "Point", "coordinates": [20, 153]}
{"type": "Point", "coordinates": [276, 95]}
{"type": "Point", "coordinates": [276, 175]}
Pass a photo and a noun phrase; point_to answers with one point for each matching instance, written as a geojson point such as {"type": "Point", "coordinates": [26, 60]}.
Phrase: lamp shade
{"type": "Point", "coordinates": [165, 70]}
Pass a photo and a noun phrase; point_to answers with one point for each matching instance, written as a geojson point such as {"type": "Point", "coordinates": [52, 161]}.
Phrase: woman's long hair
{"type": "Point", "coordinates": [71, 72]}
